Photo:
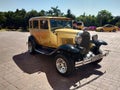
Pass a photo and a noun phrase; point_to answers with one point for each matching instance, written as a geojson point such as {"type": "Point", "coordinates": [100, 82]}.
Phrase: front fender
{"type": "Point", "coordinates": [100, 42]}
{"type": "Point", "coordinates": [69, 48]}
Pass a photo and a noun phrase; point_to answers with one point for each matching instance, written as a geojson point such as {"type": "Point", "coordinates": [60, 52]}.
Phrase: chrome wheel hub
{"type": "Point", "coordinates": [61, 65]}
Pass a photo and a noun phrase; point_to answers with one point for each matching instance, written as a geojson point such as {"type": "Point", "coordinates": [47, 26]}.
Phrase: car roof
{"type": "Point", "coordinates": [108, 25]}
{"type": "Point", "coordinates": [47, 17]}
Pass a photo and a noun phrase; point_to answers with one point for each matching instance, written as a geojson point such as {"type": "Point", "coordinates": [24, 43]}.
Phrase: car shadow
{"type": "Point", "coordinates": [40, 63]}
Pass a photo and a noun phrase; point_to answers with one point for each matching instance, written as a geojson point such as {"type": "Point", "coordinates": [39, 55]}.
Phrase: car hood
{"type": "Point", "coordinates": [99, 27]}
{"type": "Point", "coordinates": [116, 26]}
{"type": "Point", "coordinates": [66, 30]}
{"type": "Point", "coordinates": [66, 35]}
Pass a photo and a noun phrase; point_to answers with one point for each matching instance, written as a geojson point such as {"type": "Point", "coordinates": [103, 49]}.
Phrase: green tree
{"type": "Point", "coordinates": [104, 17]}
{"type": "Point", "coordinates": [69, 14]}
{"type": "Point", "coordinates": [32, 13]}
{"type": "Point", "coordinates": [2, 19]}
{"type": "Point", "coordinates": [115, 20]}
{"type": "Point", "coordinates": [55, 11]}
{"type": "Point", "coordinates": [49, 13]}
{"type": "Point", "coordinates": [42, 13]}
{"type": "Point", "coordinates": [19, 18]}
{"type": "Point", "coordinates": [9, 19]}
{"type": "Point", "coordinates": [88, 20]}
{"type": "Point", "coordinates": [118, 24]}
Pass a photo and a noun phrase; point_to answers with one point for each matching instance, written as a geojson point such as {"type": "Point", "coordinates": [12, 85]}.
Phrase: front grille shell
{"type": "Point", "coordinates": [85, 41]}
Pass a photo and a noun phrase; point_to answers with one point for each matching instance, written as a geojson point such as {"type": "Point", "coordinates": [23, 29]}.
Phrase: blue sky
{"type": "Point", "coordinates": [77, 7]}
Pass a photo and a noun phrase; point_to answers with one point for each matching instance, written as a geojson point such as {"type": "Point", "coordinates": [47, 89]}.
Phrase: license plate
{"type": "Point", "coordinates": [89, 60]}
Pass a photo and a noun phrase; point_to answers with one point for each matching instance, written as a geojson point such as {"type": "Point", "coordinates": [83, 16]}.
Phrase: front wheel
{"type": "Point", "coordinates": [101, 30]}
{"type": "Point", "coordinates": [114, 30]}
{"type": "Point", "coordinates": [64, 65]}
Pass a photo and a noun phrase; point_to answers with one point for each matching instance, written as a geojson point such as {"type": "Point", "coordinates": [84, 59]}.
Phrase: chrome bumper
{"type": "Point", "coordinates": [92, 59]}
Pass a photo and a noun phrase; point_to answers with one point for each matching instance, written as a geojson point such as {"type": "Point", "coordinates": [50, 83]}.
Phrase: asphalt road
{"type": "Point", "coordinates": [21, 71]}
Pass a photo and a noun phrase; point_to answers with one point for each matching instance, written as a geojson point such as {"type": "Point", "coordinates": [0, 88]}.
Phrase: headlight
{"type": "Point", "coordinates": [95, 37]}
{"type": "Point", "coordinates": [78, 38]}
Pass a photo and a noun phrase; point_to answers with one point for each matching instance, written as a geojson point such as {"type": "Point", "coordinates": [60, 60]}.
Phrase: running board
{"type": "Point", "coordinates": [39, 51]}
{"type": "Point", "coordinates": [45, 52]}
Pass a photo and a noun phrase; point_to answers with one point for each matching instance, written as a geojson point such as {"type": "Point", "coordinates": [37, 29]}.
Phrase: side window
{"type": "Point", "coordinates": [43, 24]}
{"type": "Point", "coordinates": [35, 24]}
{"type": "Point", "coordinates": [108, 25]}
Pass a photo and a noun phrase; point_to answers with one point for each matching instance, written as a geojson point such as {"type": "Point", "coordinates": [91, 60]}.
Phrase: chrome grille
{"type": "Point", "coordinates": [85, 41]}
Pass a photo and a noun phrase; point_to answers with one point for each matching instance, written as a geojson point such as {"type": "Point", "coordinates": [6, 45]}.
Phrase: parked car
{"type": "Point", "coordinates": [108, 28]}
{"type": "Point", "coordinates": [119, 29]}
{"type": "Point", "coordinates": [71, 48]}
{"type": "Point", "coordinates": [86, 28]}
{"type": "Point", "coordinates": [92, 28]}
{"type": "Point", "coordinates": [78, 25]}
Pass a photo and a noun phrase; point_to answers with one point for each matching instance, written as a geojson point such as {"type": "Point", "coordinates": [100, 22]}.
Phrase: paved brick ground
{"type": "Point", "coordinates": [21, 71]}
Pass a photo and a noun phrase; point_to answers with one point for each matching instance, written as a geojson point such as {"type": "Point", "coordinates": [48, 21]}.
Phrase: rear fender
{"type": "Point", "coordinates": [32, 39]}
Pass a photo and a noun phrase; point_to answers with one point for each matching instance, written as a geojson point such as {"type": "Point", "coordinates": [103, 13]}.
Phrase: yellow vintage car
{"type": "Point", "coordinates": [71, 47]}
{"type": "Point", "coordinates": [107, 28]}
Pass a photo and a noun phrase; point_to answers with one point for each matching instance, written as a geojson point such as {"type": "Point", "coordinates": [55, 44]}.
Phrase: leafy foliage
{"type": "Point", "coordinates": [69, 14]}
{"type": "Point", "coordinates": [20, 18]}
{"type": "Point", "coordinates": [104, 17]}
{"type": "Point", "coordinates": [89, 20]}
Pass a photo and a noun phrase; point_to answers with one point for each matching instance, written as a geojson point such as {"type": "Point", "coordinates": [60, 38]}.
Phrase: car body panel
{"type": "Point", "coordinates": [56, 36]}
{"type": "Point", "coordinates": [78, 25]}
{"type": "Point", "coordinates": [66, 36]}
{"type": "Point", "coordinates": [46, 37]}
{"type": "Point", "coordinates": [107, 28]}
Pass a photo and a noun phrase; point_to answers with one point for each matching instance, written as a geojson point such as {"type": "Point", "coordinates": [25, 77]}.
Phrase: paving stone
{"type": "Point", "coordinates": [21, 71]}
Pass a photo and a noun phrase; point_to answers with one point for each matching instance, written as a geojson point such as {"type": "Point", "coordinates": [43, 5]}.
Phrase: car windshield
{"type": "Point", "coordinates": [108, 25]}
{"type": "Point", "coordinates": [56, 24]}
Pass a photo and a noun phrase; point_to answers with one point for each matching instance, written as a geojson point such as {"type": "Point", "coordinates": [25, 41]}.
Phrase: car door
{"type": "Point", "coordinates": [40, 30]}
{"type": "Point", "coordinates": [34, 28]}
{"type": "Point", "coordinates": [44, 33]}
{"type": "Point", "coordinates": [107, 27]}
